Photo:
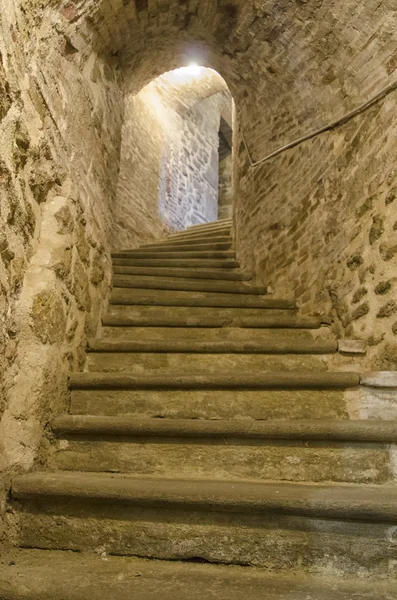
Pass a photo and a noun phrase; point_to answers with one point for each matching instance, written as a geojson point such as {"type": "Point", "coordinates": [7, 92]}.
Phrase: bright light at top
{"type": "Point", "coordinates": [193, 69]}
{"type": "Point", "coordinates": [188, 74]}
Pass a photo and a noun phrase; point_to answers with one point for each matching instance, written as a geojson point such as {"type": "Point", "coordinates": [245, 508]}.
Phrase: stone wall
{"type": "Point", "coordinates": [169, 161]}
{"type": "Point", "coordinates": [225, 189]}
{"type": "Point", "coordinates": [319, 223]}
{"type": "Point", "coordinates": [136, 213]}
{"type": "Point", "coordinates": [60, 121]}
{"type": "Point", "coordinates": [194, 165]}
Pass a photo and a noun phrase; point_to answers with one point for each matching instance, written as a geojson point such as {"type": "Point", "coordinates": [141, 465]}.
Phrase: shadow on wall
{"type": "Point", "coordinates": [176, 155]}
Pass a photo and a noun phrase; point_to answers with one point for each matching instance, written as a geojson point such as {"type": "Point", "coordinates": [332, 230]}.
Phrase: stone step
{"type": "Point", "coordinates": [314, 451]}
{"type": "Point", "coordinates": [180, 273]}
{"type": "Point", "coordinates": [195, 430]}
{"type": "Point", "coordinates": [285, 526]}
{"type": "Point", "coordinates": [192, 240]}
{"type": "Point", "coordinates": [372, 503]}
{"type": "Point", "coordinates": [203, 333]}
{"type": "Point", "coordinates": [192, 236]}
{"type": "Point", "coordinates": [182, 313]}
{"type": "Point", "coordinates": [242, 403]}
{"type": "Point", "coordinates": [47, 575]}
{"type": "Point", "coordinates": [176, 255]}
{"type": "Point", "coordinates": [174, 363]}
{"type": "Point", "coordinates": [221, 232]}
{"type": "Point", "coordinates": [168, 246]}
{"type": "Point", "coordinates": [295, 380]}
{"type": "Point", "coordinates": [227, 323]}
{"type": "Point", "coordinates": [214, 225]}
{"type": "Point", "coordinates": [181, 263]}
{"type": "Point", "coordinates": [122, 280]}
{"type": "Point", "coordinates": [228, 221]}
{"type": "Point", "coordinates": [275, 345]}
{"type": "Point", "coordinates": [174, 298]}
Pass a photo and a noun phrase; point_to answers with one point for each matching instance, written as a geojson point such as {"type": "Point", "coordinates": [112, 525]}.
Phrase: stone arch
{"type": "Point", "coordinates": [169, 173]}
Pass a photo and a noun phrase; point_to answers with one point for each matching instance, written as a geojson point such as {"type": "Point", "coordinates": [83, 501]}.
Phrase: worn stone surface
{"type": "Point", "coordinates": [230, 459]}
{"type": "Point", "coordinates": [197, 363]}
{"type": "Point", "coordinates": [47, 576]}
{"type": "Point", "coordinates": [213, 404]}
{"type": "Point", "coordinates": [208, 488]}
{"type": "Point", "coordinates": [275, 541]}
{"type": "Point", "coordinates": [198, 333]}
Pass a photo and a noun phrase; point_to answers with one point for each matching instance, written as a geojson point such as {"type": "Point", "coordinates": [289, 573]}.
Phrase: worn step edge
{"type": "Point", "coordinates": [266, 380]}
{"type": "Point", "coordinates": [219, 224]}
{"type": "Point", "coordinates": [383, 432]}
{"type": "Point", "coordinates": [191, 236]}
{"type": "Point", "coordinates": [173, 247]}
{"type": "Point", "coordinates": [205, 263]}
{"type": "Point", "coordinates": [219, 238]}
{"type": "Point", "coordinates": [264, 322]}
{"type": "Point", "coordinates": [201, 285]}
{"type": "Point", "coordinates": [226, 275]}
{"type": "Point", "coordinates": [220, 232]}
{"type": "Point", "coordinates": [211, 225]}
{"type": "Point", "coordinates": [374, 503]}
{"type": "Point", "coordinates": [181, 254]}
{"type": "Point", "coordinates": [271, 346]}
{"type": "Point", "coordinates": [47, 575]}
{"type": "Point", "coordinates": [379, 379]}
{"type": "Point", "coordinates": [122, 296]}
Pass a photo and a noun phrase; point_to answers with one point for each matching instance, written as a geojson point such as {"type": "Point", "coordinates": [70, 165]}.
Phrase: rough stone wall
{"type": "Point", "coordinates": [225, 189]}
{"type": "Point", "coordinates": [194, 167]}
{"type": "Point", "coordinates": [319, 223]}
{"type": "Point", "coordinates": [137, 218]}
{"type": "Point", "coordinates": [60, 120]}
{"type": "Point", "coordinates": [169, 162]}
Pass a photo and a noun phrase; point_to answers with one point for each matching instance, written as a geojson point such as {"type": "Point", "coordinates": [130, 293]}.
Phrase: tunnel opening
{"type": "Point", "coordinates": [176, 155]}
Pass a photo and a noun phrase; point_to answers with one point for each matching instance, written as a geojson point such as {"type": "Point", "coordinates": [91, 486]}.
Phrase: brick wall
{"type": "Point", "coordinates": [319, 223]}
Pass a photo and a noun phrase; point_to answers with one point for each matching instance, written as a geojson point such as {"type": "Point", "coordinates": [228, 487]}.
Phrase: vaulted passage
{"type": "Point", "coordinates": [176, 155]}
{"type": "Point", "coordinates": [198, 299]}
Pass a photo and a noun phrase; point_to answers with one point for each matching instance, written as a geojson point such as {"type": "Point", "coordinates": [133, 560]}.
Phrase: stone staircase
{"type": "Point", "coordinates": [208, 427]}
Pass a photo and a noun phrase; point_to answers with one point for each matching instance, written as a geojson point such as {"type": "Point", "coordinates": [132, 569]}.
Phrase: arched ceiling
{"type": "Point", "coordinates": [185, 87]}
{"type": "Point", "coordinates": [291, 65]}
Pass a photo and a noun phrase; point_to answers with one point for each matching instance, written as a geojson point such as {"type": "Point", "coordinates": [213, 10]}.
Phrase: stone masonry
{"type": "Point", "coordinates": [169, 160]}
{"type": "Point", "coordinates": [315, 225]}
